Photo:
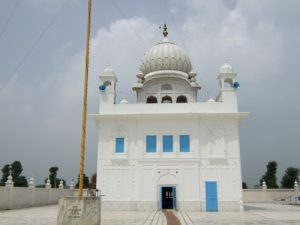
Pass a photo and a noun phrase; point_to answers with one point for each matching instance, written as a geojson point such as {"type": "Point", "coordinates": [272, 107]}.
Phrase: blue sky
{"type": "Point", "coordinates": [41, 104]}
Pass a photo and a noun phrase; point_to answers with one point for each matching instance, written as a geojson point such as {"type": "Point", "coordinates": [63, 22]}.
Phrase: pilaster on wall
{"type": "Point", "coordinates": [32, 188]}
{"type": "Point", "coordinates": [10, 200]}
{"type": "Point", "coordinates": [264, 189]}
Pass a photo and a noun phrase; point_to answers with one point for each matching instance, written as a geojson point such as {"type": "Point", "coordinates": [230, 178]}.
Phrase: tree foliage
{"type": "Point", "coordinates": [86, 183]}
{"type": "Point", "coordinates": [54, 180]}
{"type": "Point", "coordinates": [16, 170]}
{"type": "Point", "coordinates": [53, 176]}
{"type": "Point", "coordinates": [291, 174]}
{"type": "Point", "coordinates": [244, 185]}
{"type": "Point", "coordinates": [53, 170]}
{"type": "Point", "coordinates": [5, 174]}
{"type": "Point", "coordinates": [270, 176]}
{"type": "Point", "coordinates": [20, 181]}
{"type": "Point", "coordinates": [93, 181]}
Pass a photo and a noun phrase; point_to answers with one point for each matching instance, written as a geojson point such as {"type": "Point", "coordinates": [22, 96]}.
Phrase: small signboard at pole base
{"type": "Point", "coordinates": [79, 211]}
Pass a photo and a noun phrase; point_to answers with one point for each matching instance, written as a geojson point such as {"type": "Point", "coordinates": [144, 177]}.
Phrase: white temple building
{"type": "Point", "coordinates": [168, 150]}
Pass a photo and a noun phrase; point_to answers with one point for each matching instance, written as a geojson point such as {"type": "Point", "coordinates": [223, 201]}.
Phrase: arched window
{"type": "Point", "coordinates": [166, 99]}
{"type": "Point", "coordinates": [228, 82]}
{"type": "Point", "coordinates": [107, 85]}
{"type": "Point", "coordinates": [181, 99]}
{"type": "Point", "coordinates": [151, 99]}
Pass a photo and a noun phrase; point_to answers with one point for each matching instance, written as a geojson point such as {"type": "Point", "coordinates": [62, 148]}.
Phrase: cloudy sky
{"type": "Point", "coordinates": [42, 45]}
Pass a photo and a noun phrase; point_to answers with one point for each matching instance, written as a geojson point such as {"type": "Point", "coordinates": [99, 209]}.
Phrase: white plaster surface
{"type": "Point", "coordinates": [255, 213]}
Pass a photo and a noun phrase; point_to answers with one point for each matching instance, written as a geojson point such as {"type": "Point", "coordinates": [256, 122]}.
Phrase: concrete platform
{"type": "Point", "coordinates": [263, 214]}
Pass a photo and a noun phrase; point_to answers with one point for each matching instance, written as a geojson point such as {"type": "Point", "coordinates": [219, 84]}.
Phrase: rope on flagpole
{"type": "Point", "coordinates": [86, 75]}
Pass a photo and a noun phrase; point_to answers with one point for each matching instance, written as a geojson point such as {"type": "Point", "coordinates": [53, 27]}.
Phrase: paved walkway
{"type": "Point", "coordinates": [255, 214]}
{"type": "Point", "coordinates": [262, 214]}
{"type": "Point", "coordinates": [171, 218]}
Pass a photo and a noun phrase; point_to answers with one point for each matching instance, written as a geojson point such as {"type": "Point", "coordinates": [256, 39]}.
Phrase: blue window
{"type": "Point", "coordinates": [167, 143]}
{"type": "Point", "coordinates": [184, 143]}
{"type": "Point", "coordinates": [151, 143]}
{"type": "Point", "coordinates": [119, 145]}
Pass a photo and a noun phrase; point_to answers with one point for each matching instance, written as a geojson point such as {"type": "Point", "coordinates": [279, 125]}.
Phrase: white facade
{"type": "Point", "coordinates": [131, 177]}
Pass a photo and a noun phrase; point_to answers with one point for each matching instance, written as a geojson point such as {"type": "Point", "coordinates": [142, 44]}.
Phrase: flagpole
{"type": "Point", "coordinates": [86, 75]}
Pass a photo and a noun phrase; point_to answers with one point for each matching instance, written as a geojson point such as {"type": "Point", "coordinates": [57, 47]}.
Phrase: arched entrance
{"type": "Point", "coordinates": [168, 191]}
{"type": "Point", "coordinates": [168, 197]}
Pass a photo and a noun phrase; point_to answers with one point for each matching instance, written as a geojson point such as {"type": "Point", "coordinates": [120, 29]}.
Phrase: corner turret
{"type": "Point", "coordinates": [228, 87]}
{"type": "Point", "coordinates": [107, 89]}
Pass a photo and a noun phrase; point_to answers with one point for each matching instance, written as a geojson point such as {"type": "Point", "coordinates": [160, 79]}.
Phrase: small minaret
{"type": "Point", "coordinates": [9, 182]}
{"type": "Point", "coordinates": [228, 87]}
{"type": "Point", "coordinates": [61, 184]}
{"type": "Point", "coordinates": [31, 182]}
{"type": "Point", "coordinates": [48, 185]}
{"type": "Point", "coordinates": [107, 89]}
{"type": "Point", "coordinates": [71, 184]}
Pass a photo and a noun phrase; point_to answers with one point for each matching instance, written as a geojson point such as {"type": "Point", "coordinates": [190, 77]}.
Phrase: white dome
{"type": "Point", "coordinates": [108, 71]}
{"type": "Point", "coordinates": [226, 68]}
{"type": "Point", "coordinates": [166, 55]}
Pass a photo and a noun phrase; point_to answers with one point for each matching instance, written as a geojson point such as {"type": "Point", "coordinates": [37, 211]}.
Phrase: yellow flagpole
{"type": "Point", "coordinates": [83, 130]}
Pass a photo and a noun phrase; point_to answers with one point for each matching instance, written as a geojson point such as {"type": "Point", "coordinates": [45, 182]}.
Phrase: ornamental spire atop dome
{"type": "Point", "coordinates": [165, 32]}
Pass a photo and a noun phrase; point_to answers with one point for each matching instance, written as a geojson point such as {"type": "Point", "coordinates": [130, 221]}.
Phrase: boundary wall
{"type": "Point", "coordinates": [23, 197]}
{"type": "Point", "coordinates": [264, 195]}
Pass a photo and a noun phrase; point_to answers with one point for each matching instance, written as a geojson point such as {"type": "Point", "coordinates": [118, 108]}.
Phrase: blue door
{"type": "Point", "coordinates": [174, 197]}
{"type": "Point", "coordinates": [211, 196]}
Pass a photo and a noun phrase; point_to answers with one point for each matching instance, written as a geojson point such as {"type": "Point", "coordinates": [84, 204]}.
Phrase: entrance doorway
{"type": "Point", "coordinates": [168, 197]}
{"type": "Point", "coordinates": [211, 196]}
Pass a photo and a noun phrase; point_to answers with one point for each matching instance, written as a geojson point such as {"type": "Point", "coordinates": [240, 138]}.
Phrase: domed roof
{"type": "Point", "coordinates": [108, 71]}
{"type": "Point", "coordinates": [166, 55]}
{"type": "Point", "coordinates": [226, 68]}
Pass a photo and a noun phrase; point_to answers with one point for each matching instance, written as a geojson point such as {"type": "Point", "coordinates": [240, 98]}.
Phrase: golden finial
{"type": "Point", "coordinates": [165, 32]}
